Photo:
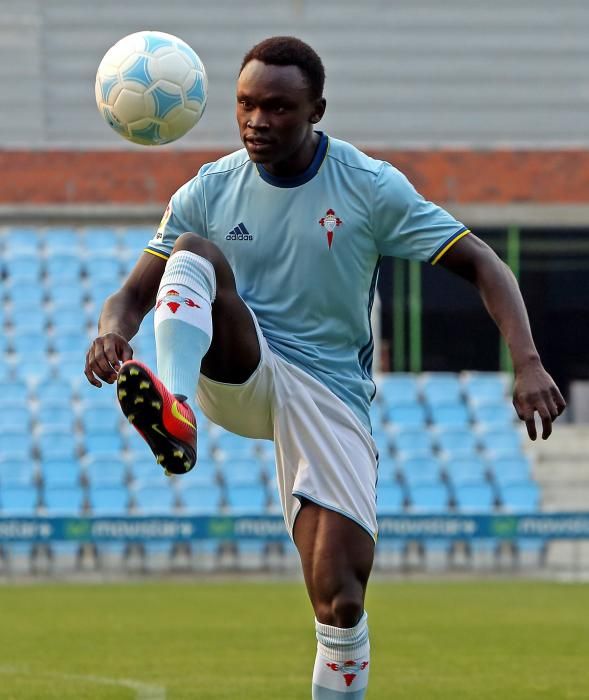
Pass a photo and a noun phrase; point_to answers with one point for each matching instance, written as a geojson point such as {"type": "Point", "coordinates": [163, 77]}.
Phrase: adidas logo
{"type": "Point", "coordinates": [239, 233]}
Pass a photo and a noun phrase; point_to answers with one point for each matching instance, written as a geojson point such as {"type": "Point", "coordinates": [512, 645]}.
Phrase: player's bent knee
{"type": "Point", "coordinates": [343, 610]}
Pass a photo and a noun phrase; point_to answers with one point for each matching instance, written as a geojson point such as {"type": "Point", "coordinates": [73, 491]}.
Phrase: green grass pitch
{"type": "Point", "coordinates": [255, 641]}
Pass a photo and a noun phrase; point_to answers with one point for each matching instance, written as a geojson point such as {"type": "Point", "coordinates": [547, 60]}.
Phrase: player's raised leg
{"type": "Point", "coordinates": [199, 320]}
{"type": "Point", "coordinates": [337, 556]}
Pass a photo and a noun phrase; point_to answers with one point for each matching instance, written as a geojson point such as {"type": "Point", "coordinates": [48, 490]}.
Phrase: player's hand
{"type": "Point", "coordinates": [105, 356]}
{"type": "Point", "coordinates": [535, 391]}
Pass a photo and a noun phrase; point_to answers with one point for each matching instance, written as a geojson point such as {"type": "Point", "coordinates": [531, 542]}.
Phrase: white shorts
{"type": "Point", "coordinates": [323, 452]}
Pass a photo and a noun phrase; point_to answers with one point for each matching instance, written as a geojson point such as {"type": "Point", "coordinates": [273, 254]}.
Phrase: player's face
{"type": "Point", "coordinates": [276, 114]}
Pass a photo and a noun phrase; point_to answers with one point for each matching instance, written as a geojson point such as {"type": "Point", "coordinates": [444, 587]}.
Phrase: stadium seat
{"type": "Point", "coordinates": [201, 500]}
{"type": "Point", "coordinates": [13, 391]}
{"type": "Point", "coordinates": [68, 294]}
{"type": "Point", "coordinates": [56, 444]}
{"type": "Point", "coordinates": [390, 498]}
{"type": "Point", "coordinates": [63, 267]}
{"type": "Point", "coordinates": [63, 500]}
{"type": "Point", "coordinates": [500, 414]}
{"type": "Point", "coordinates": [429, 498]}
{"type": "Point", "coordinates": [133, 239]}
{"type": "Point", "coordinates": [105, 471]}
{"type": "Point", "coordinates": [229, 446]}
{"type": "Point", "coordinates": [60, 473]}
{"type": "Point", "coordinates": [89, 395]}
{"type": "Point", "coordinates": [103, 268]}
{"type": "Point", "coordinates": [22, 239]}
{"type": "Point", "coordinates": [413, 416]}
{"type": "Point", "coordinates": [465, 470]}
{"type": "Point", "coordinates": [108, 500]}
{"type": "Point", "coordinates": [520, 497]}
{"type": "Point", "coordinates": [204, 474]}
{"type": "Point", "coordinates": [72, 342]}
{"type": "Point", "coordinates": [383, 439]}
{"type": "Point", "coordinates": [393, 386]}
{"type": "Point", "coordinates": [485, 387]}
{"type": "Point", "coordinates": [509, 470]}
{"type": "Point", "coordinates": [16, 472]}
{"type": "Point", "coordinates": [19, 500]}
{"type": "Point", "coordinates": [441, 388]}
{"type": "Point", "coordinates": [249, 500]}
{"type": "Point", "coordinates": [101, 419]}
{"type": "Point", "coordinates": [145, 471]}
{"type": "Point", "coordinates": [24, 298]}
{"type": "Point", "coordinates": [419, 470]}
{"type": "Point", "coordinates": [154, 500]}
{"type": "Point", "coordinates": [103, 443]}
{"type": "Point", "coordinates": [61, 240]}
{"type": "Point", "coordinates": [387, 470]}
{"type": "Point", "coordinates": [67, 320]}
{"type": "Point", "coordinates": [500, 441]}
{"type": "Point", "coordinates": [55, 392]}
{"type": "Point", "coordinates": [100, 239]}
{"type": "Point", "coordinates": [15, 445]}
{"type": "Point", "coordinates": [135, 446]}
{"type": "Point", "coordinates": [23, 268]}
{"type": "Point", "coordinates": [244, 471]}
{"type": "Point", "coordinates": [15, 418]}
{"type": "Point", "coordinates": [455, 442]}
{"type": "Point", "coordinates": [449, 415]}
{"type": "Point", "coordinates": [474, 498]}
{"type": "Point", "coordinates": [55, 416]}
{"type": "Point", "coordinates": [412, 442]}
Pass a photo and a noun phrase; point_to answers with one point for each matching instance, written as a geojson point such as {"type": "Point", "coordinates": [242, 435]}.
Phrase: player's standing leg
{"type": "Point", "coordinates": [337, 556]}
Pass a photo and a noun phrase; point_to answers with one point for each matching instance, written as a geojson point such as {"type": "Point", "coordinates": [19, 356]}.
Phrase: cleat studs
{"type": "Point", "coordinates": [133, 371]}
{"type": "Point", "coordinates": [167, 473]}
{"type": "Point", "coordinates": [139, 399]}
{"type": "Point", "coordinates": [122, 378]}
{"type": "Point", "coordinates": [156, 404]}
{"type": "Point", "coordinates": [179, 454]}
{"type": "Point", "coordinates": [121, 394]}
{"type": "Point", "coordinates": [144, 384]}
{"type": "Point", "coordinates": [160, 458]}
{"type": "Point", "coordinates": [187, 466]}
{"type": "Point", "coordinates": [131, 417]}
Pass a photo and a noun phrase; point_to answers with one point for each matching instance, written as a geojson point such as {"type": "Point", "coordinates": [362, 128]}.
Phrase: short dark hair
{"type": "Point", "coordinates": [290, 51]}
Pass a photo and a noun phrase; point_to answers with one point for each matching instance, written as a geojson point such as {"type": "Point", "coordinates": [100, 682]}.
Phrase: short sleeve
{"type": "Point", "coordinates": [408, 226]}
{"type": "Point", "coordinates": [185, 212]}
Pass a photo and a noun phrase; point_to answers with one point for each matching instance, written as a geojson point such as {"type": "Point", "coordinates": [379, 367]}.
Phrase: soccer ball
{"type": "Point", "coordinates": [151, 88]}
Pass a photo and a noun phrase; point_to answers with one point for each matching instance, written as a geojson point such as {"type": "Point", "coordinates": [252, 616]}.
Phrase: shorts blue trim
{"type": "Point", "coordinates": [300, 494]}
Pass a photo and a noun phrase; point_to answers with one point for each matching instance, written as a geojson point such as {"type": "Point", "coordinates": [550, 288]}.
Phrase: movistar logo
{"type": "Point", "coordinates": [239, 233]}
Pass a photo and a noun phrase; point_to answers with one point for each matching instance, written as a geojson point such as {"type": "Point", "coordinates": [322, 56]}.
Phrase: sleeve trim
{"type": "Point", "coordinates": [445, 247]}
{"type": "Point", "coordinates": [157, 253]}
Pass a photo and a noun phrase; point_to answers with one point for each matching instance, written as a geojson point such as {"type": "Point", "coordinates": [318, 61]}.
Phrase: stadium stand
{"type": "Point", "coordinates": [447, 442]}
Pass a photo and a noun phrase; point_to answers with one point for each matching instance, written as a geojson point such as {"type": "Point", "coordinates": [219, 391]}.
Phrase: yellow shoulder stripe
{"type": "Point", "coordinates": [156, 253]}
{"type": "Point", "coordinates": [447, 247]}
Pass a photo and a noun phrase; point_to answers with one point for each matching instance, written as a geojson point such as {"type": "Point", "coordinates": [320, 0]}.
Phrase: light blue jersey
{"type": "Point", "coordinates": [305, 251]}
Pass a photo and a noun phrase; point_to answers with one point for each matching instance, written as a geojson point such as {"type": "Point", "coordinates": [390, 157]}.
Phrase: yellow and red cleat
{"type": "Point", "coordinates": [164, 421]}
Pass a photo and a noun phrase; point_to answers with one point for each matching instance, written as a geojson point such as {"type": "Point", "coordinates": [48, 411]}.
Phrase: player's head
{"type": "Point", "coordinates": [279, 99]}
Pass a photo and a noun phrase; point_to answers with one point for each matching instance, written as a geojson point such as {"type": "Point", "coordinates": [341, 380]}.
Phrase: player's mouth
{"type": "Point", "coordinates": [257, 145]}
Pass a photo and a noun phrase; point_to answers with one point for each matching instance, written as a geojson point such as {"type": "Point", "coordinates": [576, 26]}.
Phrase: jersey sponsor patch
{"type": "Point", "coordinates": [165, 218]}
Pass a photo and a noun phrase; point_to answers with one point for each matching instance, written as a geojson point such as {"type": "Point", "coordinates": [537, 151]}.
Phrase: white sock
{"type": "Point", "coordinates": [183, 321]}
{"type": "Point", "coordinates": [342, 661]}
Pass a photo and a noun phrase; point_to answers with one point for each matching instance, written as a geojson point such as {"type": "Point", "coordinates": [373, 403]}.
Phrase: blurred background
{"type": "Point", "coordinates": [483, 106]}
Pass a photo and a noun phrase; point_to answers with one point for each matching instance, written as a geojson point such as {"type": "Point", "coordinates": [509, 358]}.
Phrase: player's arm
{"type": "Point", "coordinates": [120, 319]}
{"type": "Point", "coordinates": [534, 389]}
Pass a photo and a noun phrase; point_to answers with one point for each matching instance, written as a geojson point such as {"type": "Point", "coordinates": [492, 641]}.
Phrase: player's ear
{"type": "Point", "coordinates": [318, 111]}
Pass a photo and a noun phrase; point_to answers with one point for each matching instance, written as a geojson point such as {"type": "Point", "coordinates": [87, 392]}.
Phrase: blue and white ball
{"type": "Point", "coordinates": [151, 88]}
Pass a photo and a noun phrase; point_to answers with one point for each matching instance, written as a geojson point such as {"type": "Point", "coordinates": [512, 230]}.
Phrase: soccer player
{"type": "Point", "coordinates": [263, 273]}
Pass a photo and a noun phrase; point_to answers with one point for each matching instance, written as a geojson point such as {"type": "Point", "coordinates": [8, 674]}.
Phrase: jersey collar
{"type": "Point", "coordinates": [303, 177]}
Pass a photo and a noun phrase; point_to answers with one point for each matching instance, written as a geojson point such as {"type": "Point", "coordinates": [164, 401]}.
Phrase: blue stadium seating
{"type": "Point", "coordinates": [510, 469]}
{"type": "Point", "coordinates": [244, 471]}
{"type": "Point", "coordinates": [15, 418]}
{"type": "Point", "coordinates": [62, 240]}
{"type": "Point", "coordinates": [108, 500]}
{"type": "Point", "coordinates": [55, 416]}
{"type": "Point", "coordinates": [520, 497]}
{"type": "Point", "coordinates": [251, 499]}
{"type": "Point", "coordinates": [466, 470]}
{"type": "Point", "coordinates": [390, 498]}
{"type": "Point", "coordinates": [485, 387]}
{"type": "Point", "coordinates": [15, 445]}
{"type": "Point", "coordinates": [408, 416]}
{"type": "Point", "coordinates": [63, 267]}
{"type": "Point", "coordinates": [105, 471]}
{"type": "Point", "coordinates": [22, 239]}
{"type": "Point", "coordinates": [474, 498]}
{"type": "Point", "coordinates": [450, 415]}
{"type": "Point", "coordinates": [60, 473]}
{"type": "Point", "coordinates": [19, 500]}
{"type": "Point", "coordinates": [429, 498]}
{"type": "Point", "coordinates": [417, 471]}
{"type": "Point", "coordinates": [441, 388]}
{"type": "Point", "coordinates": [64, 500]}
{"type": "Point", "coordinates": [56, 444]}
{"type": "Point", "coordinates": [455, 442]}
{"type": "Point", "coordinates": [229, 446]}
{"type": "Point", "coordinates": [201, 500]}
{"type": "Point", "coordinates": [497, 414]}
{"type": "Point", "coordinates": [412, 441]}
{"type": "Point", "coordinates": [16, 472]}
{"type": "Point", "coordinates": [154, 500]}
{"type": "Point", "coordinates": [100, 239]}
{"type": "Point", "coordinates": [23, 268]}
